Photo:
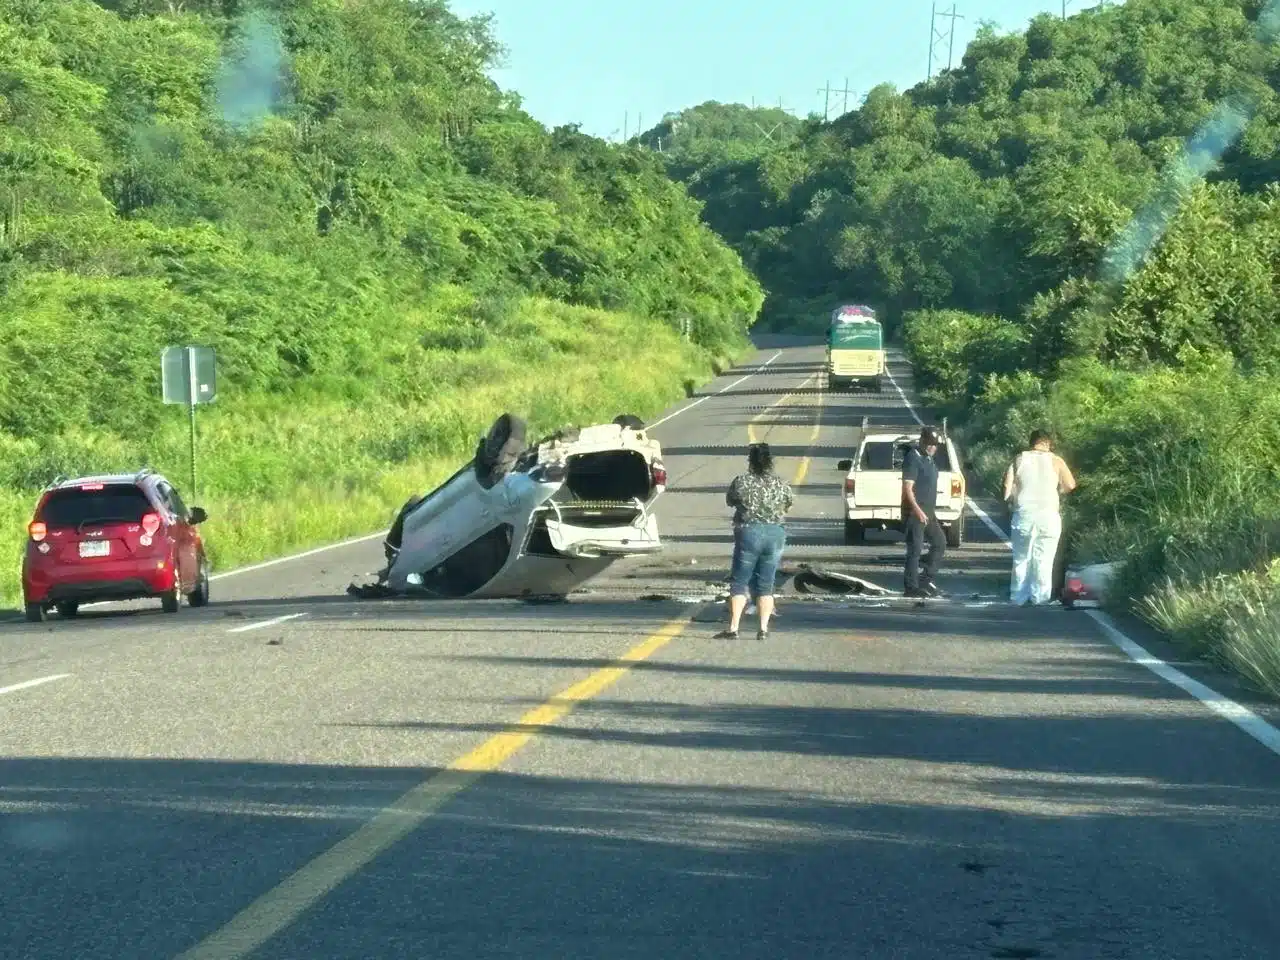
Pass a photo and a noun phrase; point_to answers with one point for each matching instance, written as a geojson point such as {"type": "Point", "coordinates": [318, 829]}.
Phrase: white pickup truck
{"type": "Point", "coordinates": [873, 484]}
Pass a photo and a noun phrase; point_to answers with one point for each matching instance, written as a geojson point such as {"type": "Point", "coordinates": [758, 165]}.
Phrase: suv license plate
{"type": "Point", "coordinates": [95, 548]}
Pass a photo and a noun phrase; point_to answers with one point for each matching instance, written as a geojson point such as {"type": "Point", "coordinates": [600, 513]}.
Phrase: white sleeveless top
{"type": "Point", "coordinates": [1035, 482]}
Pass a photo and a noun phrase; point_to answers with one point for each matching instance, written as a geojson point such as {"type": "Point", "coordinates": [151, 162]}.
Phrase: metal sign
{"type": "Point", "coordinates": [188, 375]}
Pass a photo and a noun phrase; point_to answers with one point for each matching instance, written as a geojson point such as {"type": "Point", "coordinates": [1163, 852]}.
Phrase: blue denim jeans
{"type": "Point", "coordinates": [757, 551]}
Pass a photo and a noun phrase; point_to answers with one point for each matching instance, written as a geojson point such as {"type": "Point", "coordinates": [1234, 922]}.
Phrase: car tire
{"type": "Point", "coordinates": [68, 609]}
{"type": "Point", "coordinates": [199, 597]}
{"type": "Point", "coordinates": [955, 533]}
{"type": "Point", "coordinates": [36, 613]}
{"type": "Point", "coordinates": [854, 532]}
{"type": "Point", "coordinates": [500, 449]}
{"type": "Point", "coordinates": [169, 601]}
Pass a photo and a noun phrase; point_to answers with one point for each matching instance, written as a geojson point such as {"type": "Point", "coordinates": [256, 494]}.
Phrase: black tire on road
{"type": "Point", "coordinates": [955, 532]}
{"type": "Point", "coordinates": [68, 609]}
{"type": "Point", "coordinates": [36, 613]}
{"type": "Point", "coordinates": [169, 601]}
{"type": "Point", "coordinates": [199, 597]}
{"type": "Point", "coordinates": [854, 532]}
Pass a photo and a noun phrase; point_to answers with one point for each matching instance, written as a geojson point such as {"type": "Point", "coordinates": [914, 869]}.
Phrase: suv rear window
{"type": "Point", "coordinates": [889, 455]}
{"type": "Point", "coordinates": [72, 506]}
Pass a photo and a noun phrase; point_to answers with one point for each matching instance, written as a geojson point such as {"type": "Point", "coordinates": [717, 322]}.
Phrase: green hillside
{"type": "Point", "coordinates": [384, 249]}
{"type": "Point", "coordinates": [1080, 227]}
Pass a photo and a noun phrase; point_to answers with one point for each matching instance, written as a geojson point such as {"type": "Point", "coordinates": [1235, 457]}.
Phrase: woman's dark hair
{"type": "Point", "coordinates": [760, 458]}
{"type": "Point", "coordinates": [1039, 436]}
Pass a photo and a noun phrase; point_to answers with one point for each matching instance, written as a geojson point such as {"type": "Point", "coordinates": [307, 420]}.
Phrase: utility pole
{"type": "Point", "coordinates": [846, 93]}
{"type": "Point", "coordinates": [936, 37]}
{"type": "Point", "coordinates": [826, 101]}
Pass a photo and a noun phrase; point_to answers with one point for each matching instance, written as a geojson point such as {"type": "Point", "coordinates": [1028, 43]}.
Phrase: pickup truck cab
{"type": "Point", "coordinates": [872, 491]}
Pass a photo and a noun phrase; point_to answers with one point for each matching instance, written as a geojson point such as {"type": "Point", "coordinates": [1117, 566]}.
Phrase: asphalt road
{"type": "Point", "coordinates": [603, 779]}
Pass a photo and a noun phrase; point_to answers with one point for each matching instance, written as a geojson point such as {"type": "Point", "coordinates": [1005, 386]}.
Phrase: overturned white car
{"type": "Point", "coordinates": [529, 521]}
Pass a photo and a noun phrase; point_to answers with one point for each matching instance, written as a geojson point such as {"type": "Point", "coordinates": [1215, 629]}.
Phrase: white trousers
{"type": "Point", "coordinates": [1034, 538]}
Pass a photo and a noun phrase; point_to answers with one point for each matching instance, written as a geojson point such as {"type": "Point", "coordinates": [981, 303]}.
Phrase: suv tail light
{"type": "Point", "coordinates": [38, 530]}
{"type": "Point", "coordinates": [150, 524]}
{"type": "Point", "coordinates": [659, 475]}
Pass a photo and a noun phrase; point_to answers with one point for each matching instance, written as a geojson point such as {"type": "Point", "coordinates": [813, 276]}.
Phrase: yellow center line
{"type": "Point", "coordinates": [279, 907]}
{"type": "Point", "coordinates": [751, 424]}
{"type": "Point", "coordinates": [803, 470]}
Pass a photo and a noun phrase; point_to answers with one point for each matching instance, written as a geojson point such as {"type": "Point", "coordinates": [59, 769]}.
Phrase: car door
{"type": "Point", "coordinates": [186, 540]}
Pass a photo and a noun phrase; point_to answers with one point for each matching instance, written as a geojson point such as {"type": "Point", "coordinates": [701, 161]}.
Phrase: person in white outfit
{"type": "Point", "coordinates": [1033, 485]}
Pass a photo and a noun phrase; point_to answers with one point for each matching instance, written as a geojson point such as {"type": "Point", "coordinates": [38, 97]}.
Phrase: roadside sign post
{"type": "Point", "coordinates": [189, 375]}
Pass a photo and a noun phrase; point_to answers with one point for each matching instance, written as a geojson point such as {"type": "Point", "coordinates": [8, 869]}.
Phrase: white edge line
{"type": "Point", "coordinates": [299, 556]}
{"type": "Point", "coordinates": [266, 564]}
{"type": "Point", "coordinates": [33, 683]}
{"type": "Point", "coordinates": [266, 623]}
{"type": "Point", "coordinates": [685, 409]}
{"type": "Point", "coordinates": [1223, 706]}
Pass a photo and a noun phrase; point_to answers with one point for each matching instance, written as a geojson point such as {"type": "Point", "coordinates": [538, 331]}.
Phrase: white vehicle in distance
{"type": "Point", "coordinates": [529, 522]}
{"type": "Point", "coordinates": [872, 491]}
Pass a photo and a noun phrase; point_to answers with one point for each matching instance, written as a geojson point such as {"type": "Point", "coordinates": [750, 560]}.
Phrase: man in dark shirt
{"type": "Point", "coordinates": [920, 516]}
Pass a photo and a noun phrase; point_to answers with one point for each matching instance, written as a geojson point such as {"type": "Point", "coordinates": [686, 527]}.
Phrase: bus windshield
{"type": "Point", "coordinates": [855, 336]}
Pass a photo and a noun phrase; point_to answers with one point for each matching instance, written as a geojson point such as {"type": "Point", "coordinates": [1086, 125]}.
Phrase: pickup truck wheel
{"type": "Point", "coordinates": [955, 532]}
{"type": "Point", "coordinates": [36, 613]}
{"type": "Point", "coordinates": [854, 532]}
{"type": "Point", "coordinates": [68, 610]}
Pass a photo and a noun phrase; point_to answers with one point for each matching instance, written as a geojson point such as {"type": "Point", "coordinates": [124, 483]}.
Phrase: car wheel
{"type": "Point", "coordinates": [199, 597]}
{"type": "Point", "coordinates": [854, 532]}
{"type": "Point", "coordinates": [37, 613]}
{"type": "Point", "coordinates": [500, 449]}
{"type": "Point", "coordinates": [68, 609]}
{"type": "Point", "coordinates": [169, 601]}
{"type": "Point", "coordinates": [955, 532]}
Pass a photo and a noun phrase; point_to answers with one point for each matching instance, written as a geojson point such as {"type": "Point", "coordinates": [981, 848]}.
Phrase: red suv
{"type": "Point", "coordinates": [121, 537]}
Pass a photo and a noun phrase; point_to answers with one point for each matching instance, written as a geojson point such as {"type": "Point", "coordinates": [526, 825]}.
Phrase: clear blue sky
{"type": "Point", "coordinates": [593, 61]}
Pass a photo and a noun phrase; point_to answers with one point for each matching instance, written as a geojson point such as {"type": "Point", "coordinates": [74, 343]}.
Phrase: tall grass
{"type": "Point", "coordinates": [336, 458]}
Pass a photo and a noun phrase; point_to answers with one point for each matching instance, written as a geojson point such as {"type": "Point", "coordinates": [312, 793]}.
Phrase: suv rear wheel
{"type": "Point", "coordinates": [68, 609]}
{"type": "Point", "coordinates": [37, 613]}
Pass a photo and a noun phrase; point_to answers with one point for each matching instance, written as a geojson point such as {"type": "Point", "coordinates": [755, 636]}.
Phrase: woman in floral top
{"type": "Point", "coordinates": [760, 499]}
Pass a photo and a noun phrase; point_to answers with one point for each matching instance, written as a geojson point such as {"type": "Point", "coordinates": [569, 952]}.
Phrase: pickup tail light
{"type": "Point", "coordinates": [848, 486]}
{"type": "Point", "coordinates": [957, 486]}
{"type": "Point", "coordinates": [38, 530]}
{"type": "Point", "coordinates": [659, 475]}
{"type": "Point", "coordinates": [150, 524]}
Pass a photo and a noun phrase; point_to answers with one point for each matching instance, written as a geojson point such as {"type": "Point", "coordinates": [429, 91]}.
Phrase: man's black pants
{"type": "Point", "coordinates": [916, 533]}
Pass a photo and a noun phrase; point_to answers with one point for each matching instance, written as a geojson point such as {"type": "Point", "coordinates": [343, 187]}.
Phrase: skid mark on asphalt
{"type": "Point", "coordinates": [281, 906]}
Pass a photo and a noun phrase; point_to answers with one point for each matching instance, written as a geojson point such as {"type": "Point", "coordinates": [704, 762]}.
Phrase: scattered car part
{"type": "Point", "coordinates": [1089, 584]}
